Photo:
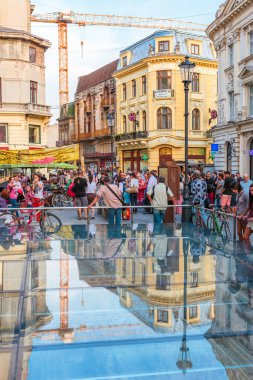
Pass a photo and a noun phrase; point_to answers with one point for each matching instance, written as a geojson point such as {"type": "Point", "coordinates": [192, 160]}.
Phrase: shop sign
{"type": "Point", "coordinates": [162, 94]}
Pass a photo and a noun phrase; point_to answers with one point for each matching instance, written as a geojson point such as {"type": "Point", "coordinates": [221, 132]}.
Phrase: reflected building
{"type": "Point", "coordinates": [21, 280]}
{"type": "Point", "coordinates": [152, 286]}
{"type": "Point", "coordinates": [231, 331]}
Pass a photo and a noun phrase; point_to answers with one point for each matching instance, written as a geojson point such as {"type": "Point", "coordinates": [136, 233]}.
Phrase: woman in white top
{"type": "Point", "coordinates": [91, 193]}
{"type": "Point", "coordinates": [134, 184]}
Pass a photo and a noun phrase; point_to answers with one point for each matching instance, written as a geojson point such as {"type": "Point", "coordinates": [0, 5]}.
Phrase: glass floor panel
{"type": "Point", "coordinates": [127, 304]}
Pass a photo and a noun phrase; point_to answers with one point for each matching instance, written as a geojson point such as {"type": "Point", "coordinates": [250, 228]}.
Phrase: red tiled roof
{"type": "Point", "coordinates": [99, 76]}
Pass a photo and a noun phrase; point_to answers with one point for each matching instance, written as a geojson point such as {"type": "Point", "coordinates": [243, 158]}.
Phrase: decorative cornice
{"type": "Point", "coordinates": [222, 20]}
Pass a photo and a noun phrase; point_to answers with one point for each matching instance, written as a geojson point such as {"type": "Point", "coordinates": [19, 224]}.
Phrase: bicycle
{"type": "Point", "coordinates": [48, 222]}
{"type": "Point", "coordinates": [61, 199]}
{"type": "Point", "coordinates": [197, 219]}
{"type": "Point", "coordinates": [218, 222]}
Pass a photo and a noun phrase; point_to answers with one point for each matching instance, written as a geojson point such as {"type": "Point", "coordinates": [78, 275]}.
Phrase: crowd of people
{"type": "Point", "coordinates": [222, 190]}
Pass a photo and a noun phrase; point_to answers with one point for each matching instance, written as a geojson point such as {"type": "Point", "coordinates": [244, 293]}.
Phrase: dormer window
{"type": "Point", "coordinates": [194, 49]}
{"type": "Point", "coordinates": [124, 61]}
{"type": "Point", "coordinates": [163, 46]}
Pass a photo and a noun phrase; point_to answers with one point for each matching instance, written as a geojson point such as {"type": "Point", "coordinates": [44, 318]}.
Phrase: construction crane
{"type": "Point", "coordinates": [70, 17]}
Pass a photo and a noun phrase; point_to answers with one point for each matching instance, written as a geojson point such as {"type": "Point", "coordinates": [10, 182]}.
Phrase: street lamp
{"type": "Point", "coordinates": [111, 124]}
{"type": "Point", "coordinates": [186, 69]}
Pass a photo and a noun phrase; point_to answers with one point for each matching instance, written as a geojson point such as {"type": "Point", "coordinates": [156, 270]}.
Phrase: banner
{"type": "Point", "coordinates": [37, 156]}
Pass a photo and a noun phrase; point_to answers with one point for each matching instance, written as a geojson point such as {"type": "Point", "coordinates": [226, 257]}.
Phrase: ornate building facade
{"type": "Point", "coordinates": [24, 115]}
{"type": "Point", "coordinates": [150, 100]}
{"type": "Point", "coordinates": [232, 34]}
{"type": "Point", "coordinates": [94, 100]}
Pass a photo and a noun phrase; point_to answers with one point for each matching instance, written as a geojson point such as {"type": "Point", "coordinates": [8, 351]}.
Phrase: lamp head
{"type": "Point", "coordinates": [187, 68]}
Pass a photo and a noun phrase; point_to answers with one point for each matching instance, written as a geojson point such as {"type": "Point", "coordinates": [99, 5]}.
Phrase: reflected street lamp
{"type": "Point", "coordinates": [186, 68]}
{"type": "Point", "coordinates": [111, 124]}
{"type": "Point", "coordinates": [184, 360]}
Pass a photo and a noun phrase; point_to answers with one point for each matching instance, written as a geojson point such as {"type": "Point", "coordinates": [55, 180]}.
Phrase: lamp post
{"type": "Point", "coordinates": [186, 69]}
{"type": "Point", "coordinates": [111, 123]}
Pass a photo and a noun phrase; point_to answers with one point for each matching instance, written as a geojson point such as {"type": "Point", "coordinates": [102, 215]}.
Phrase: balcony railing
{"type": "Point", "coordinates": [27, 108]}
{"type": "Point", "coordinates": [62, 143]}
{"type": "Point", "coordinates": [102, 132]}
{"type": "Point", "coordinates": [105, 103]}
{"type": "Point", "coordinates": [85, 135]}
{"type": "Point", "coordinates": [74, 137]}
{"type": "Point", "coordinates": [132, 136]}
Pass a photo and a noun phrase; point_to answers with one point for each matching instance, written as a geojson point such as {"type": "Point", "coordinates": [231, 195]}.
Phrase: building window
{"type": "Point", "coordinates": [164, 46]}
{"type": "Point", "coordinates": [32, 55]}
{"type": "Point", "coordinates": [162, 316]}
{"type": "Point", "coordinates": [144, 120]}
{"type": "Point", "coordinates": [124, 124]}
{"type": "Point", "coordinates": [195, 82]}
{"type": "Point", "coordinates": [251, 43]}
{"type": "Point", "coordinates": [33, 92]}
{"type": "Point", "coordinates": [231, 55]}
{"type": "Point", "coordinates": [34, 134]}
{"type": "Point", "coordinates": [144, 84]}
{"type": "Point", "coordinates": [164, 118]}
{"type": "Point", "coordinates": [133, 88]}
{"type": "Point", "coordinates": [251, 100]}
{"type": "Point", "coordinates": [124, 91]}
{"type": "Point", "coordinates": [194, 279]}
{"type": "Point", "coordinates": [164, 80]}
{"type": "Point", "coordinates": [124, 61]}
{"type": "Point", "coordinates": [195, 120]}
{"type": "Point", "coordinates": [231, 106]}
{"type": "Point", "coordinates": [194, 49]}
{"type": "Point", "coordinates": [193, 312]}
{"type": "Point", "coordinates": [3, 133]}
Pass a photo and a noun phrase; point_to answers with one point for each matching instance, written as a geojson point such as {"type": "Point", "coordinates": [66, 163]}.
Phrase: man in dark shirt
{"type": "Point", "coordinates": [79, 188]}
{"type": "Point", "coordinates": [227, 190]}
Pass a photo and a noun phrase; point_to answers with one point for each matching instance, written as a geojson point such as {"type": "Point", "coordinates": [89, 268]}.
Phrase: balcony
{"type": "Point", "coordinates": [62, 143]}
{"type": "Point", "coordinates": [85, 135]}
{"type": "Point", "coordinates": [29, 108]}
{"type": "Point", "coordinates": [132, 136]}
{"type": "Point", "coordinates": [105, 102]}
{"type": "Point", "coordinates": [97, 155]}
{"type": "Point", "coordinates": [74, 137]}
{"type": "Point", "coordinates": [102, 132]}
{"type": "Point", "coordinates": [163, 94]}
{"type": "Point", "coordinates": [87, 108]}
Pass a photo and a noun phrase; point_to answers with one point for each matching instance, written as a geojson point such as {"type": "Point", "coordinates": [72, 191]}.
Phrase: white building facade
{"type": "Point", "coordinates": [232, 34]}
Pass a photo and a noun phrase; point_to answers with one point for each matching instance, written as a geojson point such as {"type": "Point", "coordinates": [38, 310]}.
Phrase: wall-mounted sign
{"type": "Point", "coordinates": [214, 114]}
{"type": "Point", "coordinates": [163, 94]}
{"type": "Point", "coordinates": [214, 147]}
{"type": "Point", "coordinates": [251, 152]}
{"type": "Point", "coordinates": [132, 116]}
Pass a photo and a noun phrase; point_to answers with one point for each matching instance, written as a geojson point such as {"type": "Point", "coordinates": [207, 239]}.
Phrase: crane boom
{"type": "Point", "coordinates": [82, 19]}
{"type": "Point", "coordinates": [122, 21]}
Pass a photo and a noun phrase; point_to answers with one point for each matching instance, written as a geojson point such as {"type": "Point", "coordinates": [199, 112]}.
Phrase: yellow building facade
{"type": "Point", "coordinates": [150, 101]}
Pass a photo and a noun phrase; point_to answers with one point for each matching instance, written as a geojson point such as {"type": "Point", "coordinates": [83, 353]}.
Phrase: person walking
{"type": "Point", "coordinates": [226, 193]}
{"type": "Point", "coordinates": [38, 196]}
{"type": "Point", "coordinates": [219, 188]}
{"type": "Point", "coordinates": [210, 187]}
{"type": "Point", "coordinates": [240, 208]}
{"type": "Point", "coordinates": [79, 189]}
{"type": "Point", "coordinates": [246, 183]}
{"type": "Point", "coordinates": [158, 197]}
{"type": "Point", "coordinates": [112, 198]}
{"type": "Point", "coordinates": [133, 185]}
{"type": "Point", "coordinates": [91, 193]}
{"type": "Point", "coordinates": [248, 218]}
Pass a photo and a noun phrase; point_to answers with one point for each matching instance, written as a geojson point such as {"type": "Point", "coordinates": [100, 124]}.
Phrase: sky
{"type": "Point", "coordinates": [102, 45]}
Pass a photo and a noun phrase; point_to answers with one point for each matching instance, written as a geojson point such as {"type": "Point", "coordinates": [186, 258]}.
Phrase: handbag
{"type": "Point", "coordinates": [132, 190]}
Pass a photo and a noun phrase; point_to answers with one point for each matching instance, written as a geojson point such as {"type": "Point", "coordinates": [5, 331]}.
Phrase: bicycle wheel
{"type": "Point", "coordinates": [51, 223]}
{"type": "Point", "coordinates": [210, 223]}
{"type": "Point", "coordinates": [227, 231]}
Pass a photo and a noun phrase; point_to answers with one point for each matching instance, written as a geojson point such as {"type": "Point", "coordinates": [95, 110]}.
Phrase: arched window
{"type": "Point", "coordinates": [195, 120]}
{"type": "Point", "coordinates": [124, 124]}
{"type": "Point", "coordinates": [164, 118]}
{"type": "Point", "coordinates": [144, 121]}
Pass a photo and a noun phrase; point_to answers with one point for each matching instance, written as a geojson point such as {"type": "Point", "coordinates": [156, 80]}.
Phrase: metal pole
{"type": "Point", "coordinates": [112, 158]}
{"type": "Point", "coordinates": [186, 215]}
